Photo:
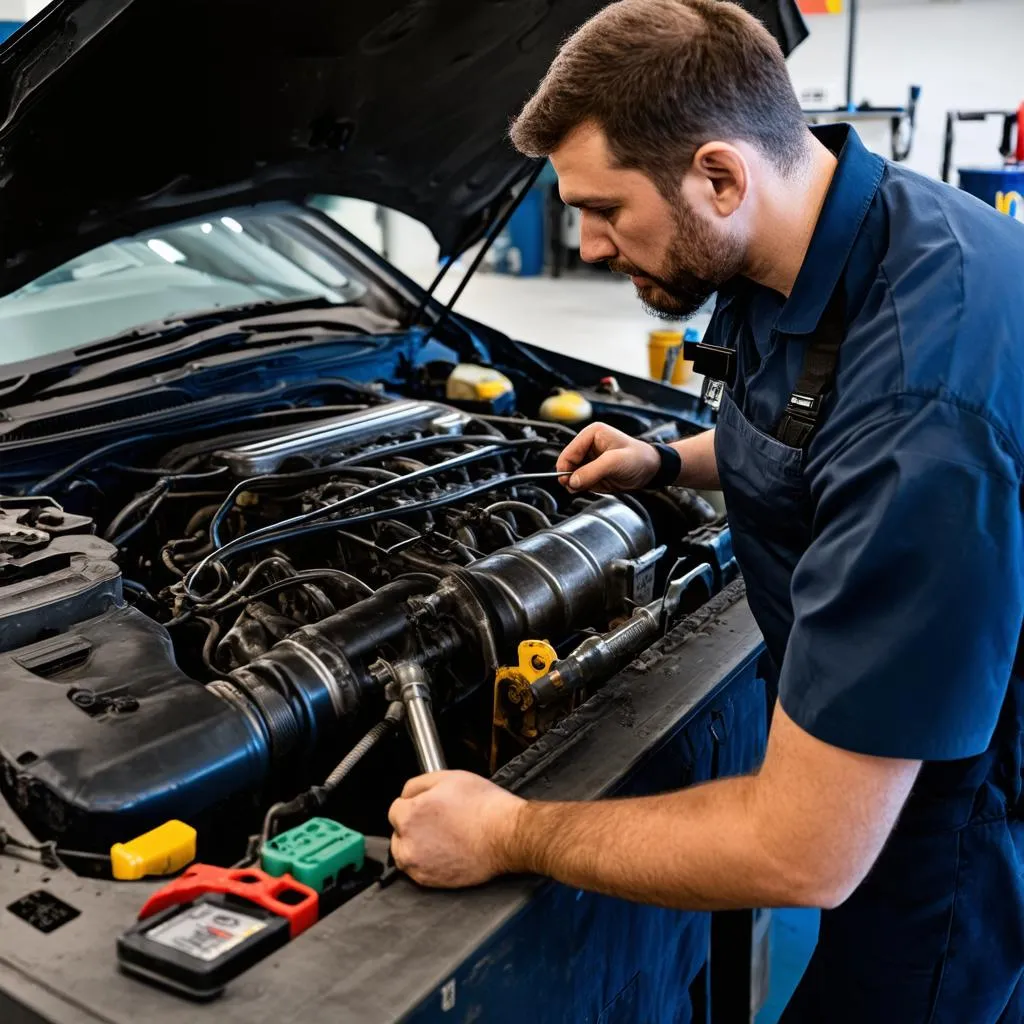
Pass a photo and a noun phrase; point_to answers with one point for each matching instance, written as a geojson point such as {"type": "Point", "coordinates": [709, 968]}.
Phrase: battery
{"type": "Point", "coordinates": [196, 948]}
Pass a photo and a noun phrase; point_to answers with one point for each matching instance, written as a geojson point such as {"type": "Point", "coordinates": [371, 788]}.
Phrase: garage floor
{"type": "Point", "coordinates": [590, 314]}
{"type": "Point", "coordinates": [597, 317]}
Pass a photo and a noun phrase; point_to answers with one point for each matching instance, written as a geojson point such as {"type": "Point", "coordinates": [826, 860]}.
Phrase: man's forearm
{"type": "Point", "coordinates": [698, 849]}
{"type": "Point", "coordinates": [700, 467]}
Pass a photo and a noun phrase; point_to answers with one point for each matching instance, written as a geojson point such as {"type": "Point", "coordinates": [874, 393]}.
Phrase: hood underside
{"type": "Point", "coordinates": [121, 115]}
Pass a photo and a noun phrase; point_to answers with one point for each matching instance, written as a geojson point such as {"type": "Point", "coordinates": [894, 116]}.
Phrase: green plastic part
{"type": "Point", "coordinates": [315, 853]}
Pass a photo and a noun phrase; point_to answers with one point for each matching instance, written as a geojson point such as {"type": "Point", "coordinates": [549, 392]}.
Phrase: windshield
{"type": "Point", "coordinates": [226, 260]}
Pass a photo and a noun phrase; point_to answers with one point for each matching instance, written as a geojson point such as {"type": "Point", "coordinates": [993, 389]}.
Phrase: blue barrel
{"type": "Point", "coordinates": [1001, 187]}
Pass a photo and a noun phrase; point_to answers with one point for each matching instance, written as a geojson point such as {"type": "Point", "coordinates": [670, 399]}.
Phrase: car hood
{"type": "Point", "coordinates": [121, 115]}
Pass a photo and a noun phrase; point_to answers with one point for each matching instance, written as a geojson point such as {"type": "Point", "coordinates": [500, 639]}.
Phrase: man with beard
{"type": "Point", "coordinates": [870, 446]}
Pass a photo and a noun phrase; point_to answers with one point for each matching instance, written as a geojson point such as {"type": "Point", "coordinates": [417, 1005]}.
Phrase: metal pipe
{"type": "Point", "coordinates": [264, 456]}
{"type": "Point", "coordinates": [851, 50]}
{"type": "Point", "coordinates": [413, 686]}
{"type": "Point", "coordinates": [395, 714]}
{"type": "Point", "coordinates": [599, 656]}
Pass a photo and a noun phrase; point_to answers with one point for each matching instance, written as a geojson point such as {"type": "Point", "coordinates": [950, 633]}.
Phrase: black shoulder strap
{"type": "Point", "coordinates": [802, 415]}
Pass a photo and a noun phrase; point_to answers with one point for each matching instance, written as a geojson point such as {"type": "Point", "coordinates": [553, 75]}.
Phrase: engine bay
{"type": "Point", "coordinates": [242, 628]}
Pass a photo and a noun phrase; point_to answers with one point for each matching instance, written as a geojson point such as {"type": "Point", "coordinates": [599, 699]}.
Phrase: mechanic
{"type": "Point", "coordinates": [870, 446]}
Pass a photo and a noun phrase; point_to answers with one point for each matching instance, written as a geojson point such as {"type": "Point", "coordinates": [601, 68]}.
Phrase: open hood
{"type": "Point", "coordinates": [120, 115]}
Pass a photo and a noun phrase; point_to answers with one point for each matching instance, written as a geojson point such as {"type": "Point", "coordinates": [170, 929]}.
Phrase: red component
{"type": "Point", "coordinates": [1020, 134]}
{"type": "Point", "coordinates": [283, 896]}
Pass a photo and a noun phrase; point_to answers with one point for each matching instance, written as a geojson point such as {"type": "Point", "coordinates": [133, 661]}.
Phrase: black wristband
{"type": "Point", "coordinates": [670, 468]}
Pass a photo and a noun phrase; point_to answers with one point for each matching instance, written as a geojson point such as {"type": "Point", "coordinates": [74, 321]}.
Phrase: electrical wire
{"type": "Point", "coordinates": [316, 796]}
{"type": "Point", "coordinates": [266, 482]}
{"type": "Point", "coordinates": [246, 541]}
{"type": "Point", "coordinates": [300, 578]}
{"type": "Point", "coordinates": [137, 588]}
{"type": "Point", "coordinates": [54, 478]}
{"type": "Point", "coordinates": [141, 499]}
{"type": "Point", "coordinates": [47, 853]}
{"type": "Point", "coordinates": [120, 467]}
{"type": "Point", "coordinates": [392, 719]}
{"type": "Point", "coordinates": [260, 538]}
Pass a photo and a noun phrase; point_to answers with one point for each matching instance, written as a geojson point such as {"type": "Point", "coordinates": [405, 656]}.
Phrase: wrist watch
{"type": "Point", "coordinates": [670, 468]}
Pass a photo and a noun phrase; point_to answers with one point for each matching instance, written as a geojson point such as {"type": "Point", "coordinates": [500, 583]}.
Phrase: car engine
{"type": "Point", "coordinates": [317, 605]}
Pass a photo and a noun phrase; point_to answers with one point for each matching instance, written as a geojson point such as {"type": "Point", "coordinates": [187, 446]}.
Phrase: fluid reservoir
{"type": "Point", "coordinates": [569, 407]}
{"type": "Point", "coordinates": [483, 385]}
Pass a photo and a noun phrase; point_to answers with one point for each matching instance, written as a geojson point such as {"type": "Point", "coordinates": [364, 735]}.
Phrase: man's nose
{"type": "Point", "coordinates": [595, 242]}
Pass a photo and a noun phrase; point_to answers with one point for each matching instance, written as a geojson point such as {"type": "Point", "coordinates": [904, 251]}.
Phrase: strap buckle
{"type": "Point", "coordinates": [806, 408]}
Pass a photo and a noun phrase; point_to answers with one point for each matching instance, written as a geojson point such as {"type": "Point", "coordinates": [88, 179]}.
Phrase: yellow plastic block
{"type": "Point", "coordinates": [164, 850]}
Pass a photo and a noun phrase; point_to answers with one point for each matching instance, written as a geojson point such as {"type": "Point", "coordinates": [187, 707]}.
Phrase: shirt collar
{"type": "Point", "coordinates": [850, 193]}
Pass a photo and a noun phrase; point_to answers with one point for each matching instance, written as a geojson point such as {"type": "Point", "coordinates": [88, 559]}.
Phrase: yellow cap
{"type": "Point", "coordinates": [164, 850]}
{"type": "Point", "coordinates": [471, 383]}
{"type": "Point", "coordinates": [566, 407]}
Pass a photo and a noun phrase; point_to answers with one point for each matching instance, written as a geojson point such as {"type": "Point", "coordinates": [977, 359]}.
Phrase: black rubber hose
{"type": "Point", "coordinates": [246, 541]}
{"type": "Point", "coordinates": [255, 540]}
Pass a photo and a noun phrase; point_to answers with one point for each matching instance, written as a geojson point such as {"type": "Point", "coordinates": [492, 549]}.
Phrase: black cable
{"type": "Point", "coordinates": [274, 561]}
{"type": "Point", "coordinates": [257, 483]}
{"type": "Point", "coordinates": [137, 588]}
{"type": "Point", "coordinates": [390, 722]}
{"type": "Point", "coordinates": [300, 578]}
{"type": "Point", "coordinates": [245, 542]}
{"type": "Point", "coordinates": [254, 540]}
{"type": "Point", "coordinates": [314, 797]}
{"type": "Point", "coordinates": [166, 473]}
{"type": "Point", "coordinates": [47, 482]}
{"type": "Point", "coordinates": [267, 481]}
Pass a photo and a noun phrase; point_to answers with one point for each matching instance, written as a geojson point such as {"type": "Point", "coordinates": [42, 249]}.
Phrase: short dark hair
{"type": "Point", "coordinates": [662, 78]}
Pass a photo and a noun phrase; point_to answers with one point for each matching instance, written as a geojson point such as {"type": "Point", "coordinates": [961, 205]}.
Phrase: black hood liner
{"type": "Point", "coordinates": [121, 115]}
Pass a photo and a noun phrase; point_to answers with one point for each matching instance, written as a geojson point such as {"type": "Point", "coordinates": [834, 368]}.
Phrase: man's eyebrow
{"type": "Point", "coordinates": [587, 202]}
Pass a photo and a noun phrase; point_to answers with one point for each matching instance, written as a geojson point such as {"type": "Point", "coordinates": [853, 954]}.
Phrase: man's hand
{"type": "Point", "coordinates": [605, 460]}
{"type": "Point", "coordinates": [453, 829]}
{"type": "Point", "coordinates": [803, 831]}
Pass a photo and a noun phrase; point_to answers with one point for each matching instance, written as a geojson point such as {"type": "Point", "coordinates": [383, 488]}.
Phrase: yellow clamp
{"type": "Point", "coordinates": [535, 659]}
{"type": "Point", "coordinates": [162, 851]}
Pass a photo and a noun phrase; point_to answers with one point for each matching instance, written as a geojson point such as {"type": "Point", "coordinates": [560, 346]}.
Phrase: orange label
{"type": "Point", "coordinates": [821, 6]}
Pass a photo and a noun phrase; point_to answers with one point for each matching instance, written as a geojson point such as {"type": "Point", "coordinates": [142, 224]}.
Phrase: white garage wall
{"type": "Point", "coordinates": [965, 55]}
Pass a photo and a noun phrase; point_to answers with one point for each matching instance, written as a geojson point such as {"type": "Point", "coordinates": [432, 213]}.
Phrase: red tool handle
{"type": "Point", "coordinates": [282, 896]}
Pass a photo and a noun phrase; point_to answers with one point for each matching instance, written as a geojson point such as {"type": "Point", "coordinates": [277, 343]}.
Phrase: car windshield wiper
{"type": "Point", "coordinates": [164, 342]}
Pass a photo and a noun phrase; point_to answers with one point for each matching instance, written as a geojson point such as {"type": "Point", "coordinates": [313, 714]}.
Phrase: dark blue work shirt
{"type": "Point", "coordinates": [884, 565]}
{"type": "Point", "coordinates": [896, 624]}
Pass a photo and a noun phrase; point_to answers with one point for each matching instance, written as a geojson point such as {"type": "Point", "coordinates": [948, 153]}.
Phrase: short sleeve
{"type": "Point", "coordinates": [908, 602]}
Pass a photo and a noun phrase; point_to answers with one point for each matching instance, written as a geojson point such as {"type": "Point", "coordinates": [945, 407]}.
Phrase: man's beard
{"type": "Point", "coordinates": [677, 292]}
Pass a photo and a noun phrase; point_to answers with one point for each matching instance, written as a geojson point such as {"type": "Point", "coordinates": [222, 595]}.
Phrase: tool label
{"type": "Point", "coordinates": [43, 910]}
{"type": "Point", "coordinates": [206, 931]}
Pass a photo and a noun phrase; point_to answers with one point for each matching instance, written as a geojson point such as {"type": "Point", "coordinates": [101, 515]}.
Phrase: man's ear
{"type": "Point", "coordinates": [725, 174]}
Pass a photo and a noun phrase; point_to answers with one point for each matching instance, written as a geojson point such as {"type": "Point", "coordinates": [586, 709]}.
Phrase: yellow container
{"type": "Point", "coordinates": [659, 344]}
